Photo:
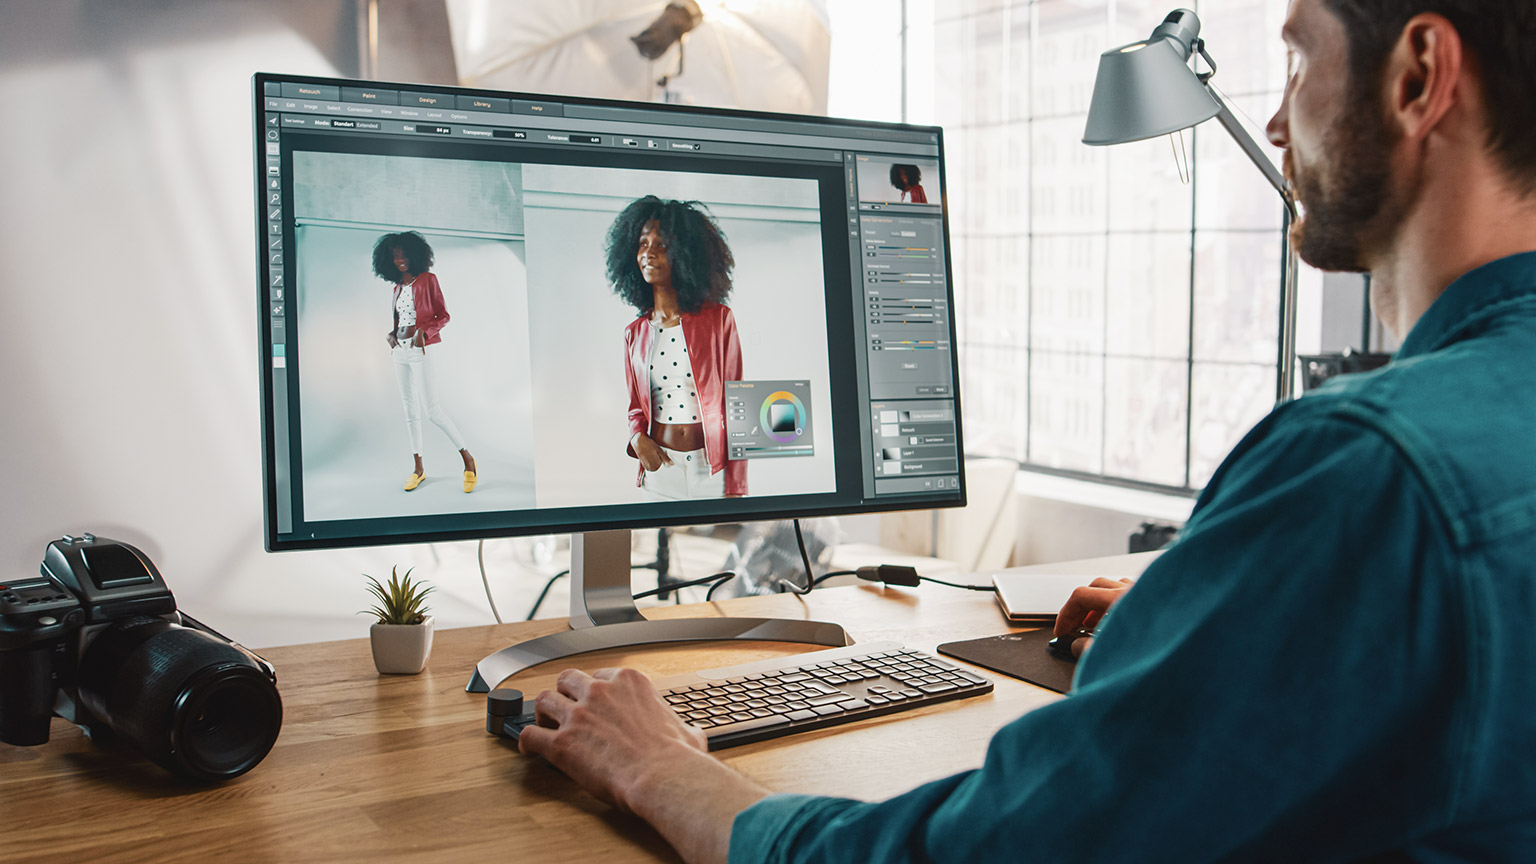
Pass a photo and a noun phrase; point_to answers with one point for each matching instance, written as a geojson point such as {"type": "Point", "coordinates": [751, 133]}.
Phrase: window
{"type": "Point", "coordinates": [1115, 321]}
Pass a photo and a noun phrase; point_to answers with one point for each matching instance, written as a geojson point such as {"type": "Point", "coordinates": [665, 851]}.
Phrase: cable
{"type": "Point", "coordinates": [545, 593]}
{"type": "Point", "coordinates": [785, 585]}
{"type": "Point", "coordinates": [957, 585]}
{"type": "Point", "coordinates": [480, 554]}
{"type": "Point", "coordinates": [716, 578]}
{"type": "Point", "coordinates": [710, 594]}
{"type": "Point", "coordinates": [825, 576]}
{"type": "Point", "coordinates": [810, 577]}
{"type": "Point", "coordinates": [896, 574]}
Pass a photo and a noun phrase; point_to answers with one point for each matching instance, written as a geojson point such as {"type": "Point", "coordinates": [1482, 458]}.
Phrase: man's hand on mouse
{"type": "Point", "coordinates": [1086, 607]}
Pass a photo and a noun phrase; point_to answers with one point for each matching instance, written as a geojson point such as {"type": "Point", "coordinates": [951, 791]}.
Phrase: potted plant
{"type": "Point", "coordinates": [402, 638]}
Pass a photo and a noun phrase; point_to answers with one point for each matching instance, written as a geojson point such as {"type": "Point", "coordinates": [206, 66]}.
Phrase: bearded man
{"type": "Point", "coordinates": [1334, 662]}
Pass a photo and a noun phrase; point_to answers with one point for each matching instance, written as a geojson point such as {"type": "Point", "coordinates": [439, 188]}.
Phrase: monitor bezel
{"type": "Point", "coordinates": [271, 540]}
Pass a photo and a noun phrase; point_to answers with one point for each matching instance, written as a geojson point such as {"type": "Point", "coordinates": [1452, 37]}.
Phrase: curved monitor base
{"type": "Point", "coordinates": [511, 660]}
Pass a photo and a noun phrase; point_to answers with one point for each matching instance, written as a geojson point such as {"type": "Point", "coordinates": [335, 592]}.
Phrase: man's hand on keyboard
{"type": "Point", "coordinates": [612, 733]}
{"type": "Point", "coordinates": [606, 730]}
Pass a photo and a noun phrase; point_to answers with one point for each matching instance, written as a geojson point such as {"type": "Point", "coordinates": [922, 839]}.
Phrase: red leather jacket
{"type": "Point", "coordinates": [431, 314]}
{"type": "Point", "coordinates": [714, 351]}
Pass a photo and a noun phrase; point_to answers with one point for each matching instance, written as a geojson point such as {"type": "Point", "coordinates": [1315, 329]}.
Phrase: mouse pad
{"type": "Point", "coordinates": [1017, 655]}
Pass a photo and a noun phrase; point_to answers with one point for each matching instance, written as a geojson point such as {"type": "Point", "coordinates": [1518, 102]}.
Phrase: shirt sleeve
{"type": "Point", "coordinates": [434, 316]}
{"type": "Point", "coordinates": [730, 350]}
{"type": "Point", "coordinates": [1283, 680]}
{"type": "Point", "coordinates": [638, 416]}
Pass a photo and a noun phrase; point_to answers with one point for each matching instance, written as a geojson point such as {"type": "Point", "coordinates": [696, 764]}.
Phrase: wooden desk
{"type": "Point", "coordinates": [380, 768]}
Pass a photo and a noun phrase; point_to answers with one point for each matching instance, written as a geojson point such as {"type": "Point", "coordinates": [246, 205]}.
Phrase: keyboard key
{"type": "Point", "coordinates": [802, 715]}
{"type": "Point", "coordinates": [760, 712]}
{"type": "Point", "coordinates": [748, 725]}
{"type": "Point", "coordinates": [911, 694]}
{"type": "Point", "coordinates": [791, 679]}
{"type": "Point", "coordinates": [828, 699]}
{"type": "Point", "coordinates": [938, 688]}
{"type": "Point", "coordinates": [825, 710]}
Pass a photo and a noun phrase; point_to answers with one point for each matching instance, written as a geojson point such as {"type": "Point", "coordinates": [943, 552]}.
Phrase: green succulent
{"type": "Point", "coordinates": [399, 601]}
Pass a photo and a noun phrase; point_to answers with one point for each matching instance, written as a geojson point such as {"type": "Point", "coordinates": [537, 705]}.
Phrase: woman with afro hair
{"type": "Point", "coordinates": [669, 260]}
{"type": "Point", "coordinates": [908, 180]}
{"type": "Point", "coordinates": [405, 260]}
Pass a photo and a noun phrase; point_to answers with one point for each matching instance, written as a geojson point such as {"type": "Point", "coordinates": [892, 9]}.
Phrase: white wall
{"type": "Point", "coordinates": [128, 301]}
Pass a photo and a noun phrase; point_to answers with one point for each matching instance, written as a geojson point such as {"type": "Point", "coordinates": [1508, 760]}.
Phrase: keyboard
{"type": "Point", "coordinates": [749, 702]}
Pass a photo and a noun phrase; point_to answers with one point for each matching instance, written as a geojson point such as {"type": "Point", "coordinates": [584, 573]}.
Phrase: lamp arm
{"type": "Point", "coordinates": [1254, 152]}
{"type": "Point", "coordinates": [1285, 383]}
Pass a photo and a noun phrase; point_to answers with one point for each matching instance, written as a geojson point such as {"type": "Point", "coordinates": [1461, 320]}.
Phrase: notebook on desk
{"type": "Point", "coordinates": [1034, 597]}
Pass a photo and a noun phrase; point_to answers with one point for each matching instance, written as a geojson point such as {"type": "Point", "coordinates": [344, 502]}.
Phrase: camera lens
{"type": "Point", "coordinates": [193, 703]}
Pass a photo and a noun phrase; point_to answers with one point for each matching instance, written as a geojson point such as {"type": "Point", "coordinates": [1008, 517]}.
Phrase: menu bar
{"type": "Point", "coordinates": [547, 137]}
{"type": "Point", "coordinates": [642, 132]}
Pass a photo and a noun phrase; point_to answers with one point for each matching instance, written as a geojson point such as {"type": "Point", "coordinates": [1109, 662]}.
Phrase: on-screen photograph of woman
{"type": "Point", "coordinates": [670, 261]}
{"type": "Point", "coordinates": [405, 260]}
{"type": "Point", "coordinates": [908, 180]}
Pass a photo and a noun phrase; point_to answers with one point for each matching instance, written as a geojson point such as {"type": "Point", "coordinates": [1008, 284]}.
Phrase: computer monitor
{"type": "Point", "coordinates": [471, 277]}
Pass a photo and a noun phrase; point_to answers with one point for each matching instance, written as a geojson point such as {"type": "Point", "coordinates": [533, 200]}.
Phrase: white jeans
{"type": "Point", "coordinates": [687, 477]}
{"type": "Point", "coordinates": [413, 371]}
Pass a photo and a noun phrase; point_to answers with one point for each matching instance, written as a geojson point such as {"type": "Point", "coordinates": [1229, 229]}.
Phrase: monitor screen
{"type": "Point", "coordinates": [617, 315]}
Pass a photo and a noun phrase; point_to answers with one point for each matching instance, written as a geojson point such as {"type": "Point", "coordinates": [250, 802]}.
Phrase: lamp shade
{"type": "Point", "coordinates": [1144, 90]}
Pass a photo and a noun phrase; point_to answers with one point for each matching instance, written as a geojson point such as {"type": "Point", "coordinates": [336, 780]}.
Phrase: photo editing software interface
{"type": "Point", "coordinates": [468, 324]}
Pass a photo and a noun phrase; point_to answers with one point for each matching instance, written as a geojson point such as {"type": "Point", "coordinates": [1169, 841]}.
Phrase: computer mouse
{"type": "Point", "coordinates": [1061, 646]}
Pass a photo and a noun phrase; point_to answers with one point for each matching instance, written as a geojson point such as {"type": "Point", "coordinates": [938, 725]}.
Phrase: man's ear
{"type": "Point", "coordinates": [1423, 75]}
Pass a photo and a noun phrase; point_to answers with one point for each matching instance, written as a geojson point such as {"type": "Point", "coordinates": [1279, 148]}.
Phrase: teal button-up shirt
{"type": "Point", "coordinates": [1335, 662]}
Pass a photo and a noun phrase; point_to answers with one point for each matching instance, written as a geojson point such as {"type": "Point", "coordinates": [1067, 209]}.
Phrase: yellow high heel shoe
{"type": "Point", "coordinates": [469, 481]}
{"type": "Point", "coordinates": [413, 481]}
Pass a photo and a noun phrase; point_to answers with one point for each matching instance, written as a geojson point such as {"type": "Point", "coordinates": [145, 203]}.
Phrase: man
{"type": "Point", "coordinates": [1335, 663]}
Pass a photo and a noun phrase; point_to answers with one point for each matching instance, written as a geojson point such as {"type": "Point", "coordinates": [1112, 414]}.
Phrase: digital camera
{"type": "Point", "coordinates": [96, 639]}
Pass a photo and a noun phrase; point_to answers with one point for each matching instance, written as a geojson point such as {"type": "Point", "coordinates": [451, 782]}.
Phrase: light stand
{"type": "Point", "coordinates": [1148, 89]}
{"type": "Point", "coordinates": [603, 615]}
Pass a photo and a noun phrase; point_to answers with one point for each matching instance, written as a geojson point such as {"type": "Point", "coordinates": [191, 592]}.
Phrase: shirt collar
{"type": "Point", "coordinates": [1469, 299]}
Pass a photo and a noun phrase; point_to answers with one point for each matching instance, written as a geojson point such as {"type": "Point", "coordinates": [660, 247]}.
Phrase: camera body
{"type": "Point", "coordinates": [97, 639]}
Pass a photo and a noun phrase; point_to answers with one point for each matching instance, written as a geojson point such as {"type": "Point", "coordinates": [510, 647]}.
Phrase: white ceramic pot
{"type": "Point", "coordinates": [401, 649]}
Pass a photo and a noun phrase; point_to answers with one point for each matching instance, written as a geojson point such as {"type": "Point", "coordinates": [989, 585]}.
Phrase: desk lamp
{"type": "Point", "coordinates": [1147, 89]}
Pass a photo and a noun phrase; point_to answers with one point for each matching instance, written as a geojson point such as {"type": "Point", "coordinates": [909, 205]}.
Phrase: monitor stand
{"type": "Point", "coordinates": [603, 615]}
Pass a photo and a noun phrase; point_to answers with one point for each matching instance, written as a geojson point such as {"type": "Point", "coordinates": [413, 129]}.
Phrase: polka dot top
{"type": "Point", "coordinates": [405, 309]}
{"type": "Point", "coordinates": [674, 397]}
